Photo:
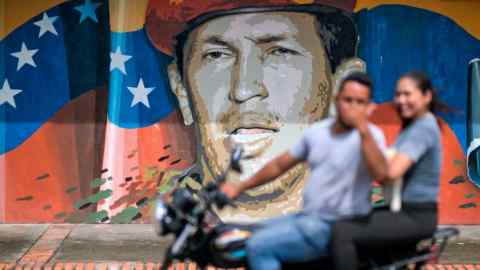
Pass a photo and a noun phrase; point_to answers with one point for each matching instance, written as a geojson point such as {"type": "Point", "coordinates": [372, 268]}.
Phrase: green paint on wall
{"type": "Point", "coordinates": [126, 216]}
{"type": "Point", "coordinates": [380, 202]}
{"type": "Point", "coordinates": [71, 190]}
{"type": "Point", "coordinates": [97, 217]}
{"type": "Point", "coordinates": [60, 215]}
{"type": "Point", "coordinates": [458, 162]}
{"type": "Point", "coordinates": [150, 172]}
{"type": "Point", "coordinates": [468, 205]}
{"type": "Point", "coordinates": [97, 182]}
{"type": "Point", "coordinates": [93, 198]}
{"type": "Point", "coordinates": [470, 196]}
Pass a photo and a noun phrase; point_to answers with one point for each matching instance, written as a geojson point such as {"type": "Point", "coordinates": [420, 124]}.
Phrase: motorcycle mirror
{"type": "Point", "coordinates": [236, 157]}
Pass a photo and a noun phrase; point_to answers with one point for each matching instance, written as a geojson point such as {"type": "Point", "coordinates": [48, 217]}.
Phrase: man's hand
{"type": "Point", "coordinates": [357, 116]}
{"type": "Point", "coordinates": [232, 191]}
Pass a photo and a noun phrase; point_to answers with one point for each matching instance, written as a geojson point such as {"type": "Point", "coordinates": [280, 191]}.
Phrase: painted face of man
{"type": "Point", "coordinates": [257, 80]}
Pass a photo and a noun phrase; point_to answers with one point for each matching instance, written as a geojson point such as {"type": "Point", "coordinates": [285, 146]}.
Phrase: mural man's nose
{"type": "Point", "coordinates": [247, 80]}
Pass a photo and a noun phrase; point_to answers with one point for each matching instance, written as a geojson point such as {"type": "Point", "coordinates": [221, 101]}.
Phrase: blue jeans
{"type": "Point", "coordinates": [294, 238]}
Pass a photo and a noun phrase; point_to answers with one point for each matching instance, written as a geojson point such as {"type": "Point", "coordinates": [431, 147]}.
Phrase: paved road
{"type": "Point", "coordinates": [74, 246]}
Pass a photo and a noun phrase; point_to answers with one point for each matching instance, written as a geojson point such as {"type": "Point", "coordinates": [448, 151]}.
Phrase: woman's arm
{"type": "Point", "coordinates": [397, 167]}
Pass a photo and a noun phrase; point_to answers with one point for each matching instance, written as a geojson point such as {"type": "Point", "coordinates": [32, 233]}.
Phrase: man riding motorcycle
{"type": "Point", "coordinates": [344, 154]}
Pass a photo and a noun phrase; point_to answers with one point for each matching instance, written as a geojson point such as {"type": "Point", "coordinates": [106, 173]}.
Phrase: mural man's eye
{"type": "Point", "coordinates": [216, 55]}
{"type": "Point", "coordinates": [283, 51]}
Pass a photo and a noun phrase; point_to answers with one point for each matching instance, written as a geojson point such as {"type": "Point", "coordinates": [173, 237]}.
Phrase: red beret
{"type": "Point", "coordinates": [166, 19]}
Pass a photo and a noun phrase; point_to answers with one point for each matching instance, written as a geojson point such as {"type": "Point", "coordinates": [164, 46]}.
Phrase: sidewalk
{"type": "Point", "coordinates": [135, 246]}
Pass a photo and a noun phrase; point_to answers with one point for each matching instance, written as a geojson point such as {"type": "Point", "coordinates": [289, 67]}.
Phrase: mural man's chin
{"type": "Point", "coordinates": [272, 199]}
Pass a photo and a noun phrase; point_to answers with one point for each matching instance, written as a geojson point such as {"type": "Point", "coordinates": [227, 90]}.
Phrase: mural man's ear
{"type": "Point", "coordinates": [343, 70]}
{"type": "Point", "coordinates": [180, 92]}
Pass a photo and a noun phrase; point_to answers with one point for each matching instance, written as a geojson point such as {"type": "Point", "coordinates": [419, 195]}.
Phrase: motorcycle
{"type": "Point", "coordinates": [183, 214]}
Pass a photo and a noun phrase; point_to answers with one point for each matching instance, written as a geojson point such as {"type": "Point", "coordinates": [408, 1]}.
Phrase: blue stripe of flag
{"type": "Point", "coordinates": [146, 64]}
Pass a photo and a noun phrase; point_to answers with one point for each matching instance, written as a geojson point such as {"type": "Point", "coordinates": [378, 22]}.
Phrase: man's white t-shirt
{"type": "Point", "coordinates": [339, 183]}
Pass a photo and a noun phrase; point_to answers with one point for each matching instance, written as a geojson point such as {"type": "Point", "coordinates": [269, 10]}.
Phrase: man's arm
{"type": "Point", "coordinates": [268, 173]}
{"type": "Point", "coordinates": [376, 161]}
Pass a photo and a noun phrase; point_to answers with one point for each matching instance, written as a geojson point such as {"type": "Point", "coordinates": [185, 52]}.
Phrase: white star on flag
{"type": "Point", "coordinates": [25, 56]}
{"type": "Point", "coordinates": [87, 10]}
{"type": "Point", "coordinates": [140, 94]}
{"type": "Point", "coordinates": [46, 25]}
{"type": "Point", "coordinates": [118, 60]}
{"type": "Point", "coordinates": [7, 94]}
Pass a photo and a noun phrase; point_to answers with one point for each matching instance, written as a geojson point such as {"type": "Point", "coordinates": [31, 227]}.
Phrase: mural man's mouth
{"type": "Point", "coordinates": [254, 140]}
{"type": "Point", "coordinates": [256, 134]}
{"type": "Point", "coordinates": [254, 130]}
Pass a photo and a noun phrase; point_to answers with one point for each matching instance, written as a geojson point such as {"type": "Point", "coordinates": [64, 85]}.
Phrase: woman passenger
{"type": "Point", "coordinates": [417, 160]}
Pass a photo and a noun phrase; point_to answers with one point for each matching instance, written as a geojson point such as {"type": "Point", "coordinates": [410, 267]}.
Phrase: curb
{"type": "Point", "coordinates": [155, 266]}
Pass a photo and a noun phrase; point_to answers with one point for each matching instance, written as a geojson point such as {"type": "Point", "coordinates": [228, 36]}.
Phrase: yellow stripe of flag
{"type": "Point", "coordinates": [17, 12]}
{"type": "Point", "coordinates": [463, 12]}
{"type": "Point", "coordinates": [127, 15]}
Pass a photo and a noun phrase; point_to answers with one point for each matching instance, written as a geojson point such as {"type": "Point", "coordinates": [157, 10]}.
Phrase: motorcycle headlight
{"type": "Point", "coordinates": [160, 213]}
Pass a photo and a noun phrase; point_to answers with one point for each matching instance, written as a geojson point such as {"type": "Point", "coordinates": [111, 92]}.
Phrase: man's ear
{"type": "Point", "coordinates": [180, 92]}
{"type": "Point", "coordinates": [343, 70]}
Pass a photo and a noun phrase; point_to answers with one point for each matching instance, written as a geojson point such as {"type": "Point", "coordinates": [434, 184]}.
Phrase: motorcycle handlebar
{"type": "Point", "coordinates": [182, 238]}
{"type": "Point", "coordinates": [210, 194]}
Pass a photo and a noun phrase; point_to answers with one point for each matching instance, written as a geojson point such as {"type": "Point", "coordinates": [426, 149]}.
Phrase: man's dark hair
{"type": "Point", "coordinates": [335, 27]}
{"type": "Point", "coordinates": [359, 77]}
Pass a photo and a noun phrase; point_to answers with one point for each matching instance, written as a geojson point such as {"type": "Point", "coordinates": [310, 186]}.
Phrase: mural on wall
{"type": "Point", "coordinates": [257, 79]}
{"type": "Point", "coordinates": [102, 102]}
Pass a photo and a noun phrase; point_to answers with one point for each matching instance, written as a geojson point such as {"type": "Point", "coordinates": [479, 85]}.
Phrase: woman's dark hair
{"type": "Point", "coordinates": [424, 84]}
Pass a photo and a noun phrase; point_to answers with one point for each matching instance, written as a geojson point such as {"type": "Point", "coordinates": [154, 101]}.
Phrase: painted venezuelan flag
{"type": "Point", "coordinates": [81, 88]}
{"type": "Point", "coordinates": [52, 81]}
